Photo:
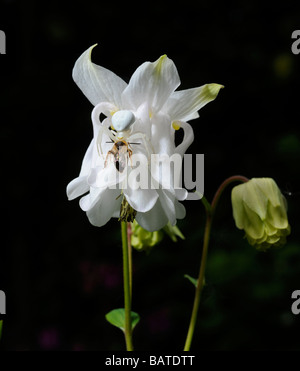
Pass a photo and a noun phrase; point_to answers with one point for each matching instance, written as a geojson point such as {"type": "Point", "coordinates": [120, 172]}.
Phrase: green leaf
{"type": "Point", "coordinates": [194, 280]}
{"type": "Point", "coordinates": [117, 318]}
{"type": "Point", "coordinates": [173, 232]}
{"type": "Point", "coordinates": [191, 279]}
{"type": "Point", "coordinates": [1, 322]}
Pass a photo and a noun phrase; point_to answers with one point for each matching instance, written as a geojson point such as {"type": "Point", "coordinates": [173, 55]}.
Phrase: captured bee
{"type": "Point", "coordinates": [119, 152]}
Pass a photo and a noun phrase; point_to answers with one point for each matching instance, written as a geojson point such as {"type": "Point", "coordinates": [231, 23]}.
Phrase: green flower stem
{"type": "Point", "coordinates": [200, 282]}
{"type": "Point", "coordinates": [234, 178]}
{"type": "Point", "coordinates": [210, 210]}
{"type": "Point", "coordinates": [127, 293]}
{"type": "Point", "coordinates": [129, 233]}
{"type": "Point", "coordinates": [207, 205]}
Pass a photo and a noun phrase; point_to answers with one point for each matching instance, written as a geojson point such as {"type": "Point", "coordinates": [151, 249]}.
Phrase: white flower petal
{"type": "Point", "coordinates": [105, 208]}
{"type": "Point", "coordinates": [152, 83]}
{"type": "Point", "coordinates": [90, 200]}
{"type": "Point", "coordinates": [153, 220]}
{"type": "Point", "coordinates": [141, 200]}
{"type": "Point", "coordinates": [97, 83]}
{"type": "Point", "coordinates": [165, 210]}
{"type": "Point", "coordinates": [181, 194]}
{"type": "Point", "coordinates": [192, 116]}
{"type": "Point", "coordinates": [187, 138]}
{"type": "Point", "coordinates": [166, 171]}
{"type": "Point", "coordinates": [142, 123]}
{"type": "Point", "coordinates": [116, 213]}
{"type": "Point", "coordinates": [96, 195]}
{"type": "Point", "coordinates": [103, 177]}
{"type": "Point", "coordinates": [87, 160]}
{"type": "Point", "coordinates": [180, 210]}
{"type": "Point", "coordinates": [167, 201]}
{"type": "Point", "coordinates": [162, 134]}
{"type": "Point", "coordinates": [77, 187]}
{"type": "Point", "coordinates": [183, 104]}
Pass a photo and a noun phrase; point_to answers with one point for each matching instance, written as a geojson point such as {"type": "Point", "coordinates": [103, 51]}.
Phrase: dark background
{"type": "Point", "coordinates": [60, 274]}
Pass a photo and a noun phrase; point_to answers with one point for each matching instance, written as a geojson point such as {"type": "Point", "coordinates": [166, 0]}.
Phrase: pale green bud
{"type": "Point", "coordinates": [142, 239]}
{"type": "Point", "coordinates": [260, 210]}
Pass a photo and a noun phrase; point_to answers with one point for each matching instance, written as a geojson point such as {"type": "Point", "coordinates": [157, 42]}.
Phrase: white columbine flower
{"type": "Point", "coordinates": [141, 119]}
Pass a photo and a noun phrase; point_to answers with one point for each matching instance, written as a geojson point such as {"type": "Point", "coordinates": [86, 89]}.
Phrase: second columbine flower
{"type": "Point", "coordinates": [260, 209]}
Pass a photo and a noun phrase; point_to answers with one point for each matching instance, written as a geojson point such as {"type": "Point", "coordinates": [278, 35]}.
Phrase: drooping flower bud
{"type": "Point", "coordinates": [260, 210]}
{"type": "Point", "coordinates": [143, 240]}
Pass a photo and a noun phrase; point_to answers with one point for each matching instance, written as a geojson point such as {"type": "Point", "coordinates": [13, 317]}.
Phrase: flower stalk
{"type": "Point", "coordinates": [127, 286]}
{"type": "Point", "coordinates": [129, 233]}
{"type": "Point", "coordinates": [200, 281]}
{"type": "Point", "coordinates": [210, 210]}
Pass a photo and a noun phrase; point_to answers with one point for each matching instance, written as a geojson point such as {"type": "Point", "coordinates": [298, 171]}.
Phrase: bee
{"type": "Point", "coordinates": [120, 152]}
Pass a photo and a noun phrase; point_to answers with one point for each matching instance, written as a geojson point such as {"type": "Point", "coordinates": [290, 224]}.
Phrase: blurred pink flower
{"type": "Point", "coordinates": [158, 321]}
{"type": "Point", "coordinates": [99, 275]}
{"type": "Point", "coordinates": [49, 338]}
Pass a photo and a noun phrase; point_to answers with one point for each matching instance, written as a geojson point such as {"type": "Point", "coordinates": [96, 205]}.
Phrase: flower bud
{"type": "Point", "coordinates": [142, 239]}
{"type": "Point", "coordinates": [261, 210]}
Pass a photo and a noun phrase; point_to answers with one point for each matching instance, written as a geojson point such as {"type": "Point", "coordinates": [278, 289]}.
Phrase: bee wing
{"type": "Point", "coordinates": [122, 159]}
{"type": "Point", "coordinates": [110, 158]}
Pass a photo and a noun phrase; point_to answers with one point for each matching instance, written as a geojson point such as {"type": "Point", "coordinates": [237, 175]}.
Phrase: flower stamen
{"type": "Point", "coordinates": [127, 213]}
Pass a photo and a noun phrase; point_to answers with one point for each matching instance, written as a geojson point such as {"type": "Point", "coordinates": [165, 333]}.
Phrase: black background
{"type": "Point", "coordinates": [60, 274]}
